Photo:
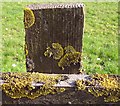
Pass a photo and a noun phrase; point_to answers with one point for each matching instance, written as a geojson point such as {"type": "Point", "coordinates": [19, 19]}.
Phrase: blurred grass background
{"type": "Point", "coordinates": [100, 43]}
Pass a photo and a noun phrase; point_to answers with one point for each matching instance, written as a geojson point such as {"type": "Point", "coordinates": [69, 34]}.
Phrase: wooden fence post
{"type": "Point", "coordinates": [49, 28]}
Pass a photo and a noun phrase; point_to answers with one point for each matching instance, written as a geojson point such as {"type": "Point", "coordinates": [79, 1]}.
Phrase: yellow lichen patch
{"type": "Point", "coordinates": [48, 52]}
{"type": "Point", "coordinates": [81, 84]}
{"type": "Point", "coordinates": [69, 58]}
{"type": "Point", "coordinates": [112, 99]}
{"type": "Point", "coordinates": [97, 92]}
{"type": "Point", "coordinates": [29, 17]}
{"type": "Point", "coordinates": [69, 49]}
{"type": "Point", "coordinates": [66, 56]}
{"type": "Point", "coordinates": [26, 50]}
{"type": "Point", "coordinates": [108, 82]}
{"type": "Point", "coordinates": [102, 85]}
{"type": "Point", "coordinates": [18, 85]}
{"type": "Point", "coordinates": [56, 51]}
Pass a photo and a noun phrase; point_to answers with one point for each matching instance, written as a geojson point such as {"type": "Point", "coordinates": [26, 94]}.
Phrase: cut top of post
{"type": "Point", "coordinates": [52, 5]}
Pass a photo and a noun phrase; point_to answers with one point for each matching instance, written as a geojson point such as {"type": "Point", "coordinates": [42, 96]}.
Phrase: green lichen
{"type": "Point", "coordinates": [68, 59]}
{"type": "Point", "coordinates": [56, 51]}
{"type": "Point", "coordinates": [29, 17]}
{"type": "Point", "coordinates": [69, 49]}
{"type": "Point", "coordinates": [26, 49]}
{"type": "Point", "coordinates": [102, 85]}
{"type": "Point", "coordinates": [80, 84]}
{"type": "Point", "coordinates": [18, 85]}
{"type": "Point", "coordinates": [48, 52]}
{"type": "Point", "coordinates": [66, 56]}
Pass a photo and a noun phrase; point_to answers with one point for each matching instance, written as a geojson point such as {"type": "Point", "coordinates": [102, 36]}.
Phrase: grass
{"type": "Point", "coordinates": [100, 44]}
{"type": "Point", "coordinates": [100, 50]}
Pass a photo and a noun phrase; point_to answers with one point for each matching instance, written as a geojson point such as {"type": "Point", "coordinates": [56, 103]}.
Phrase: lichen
{"type": "Point", "coordinates": [19, 85]}
{"type": "Point", "coordinates": [81, 84]}
{"type": "Point", "coordinates": [29, 17]}
{"type": "Point", "coordinates": [48, 52]}
{"type": "Point", "coordinates": [56, 51]}
{"type": "Point", "coordinates": [69, 49]}
{"type": "Point", "coordinates": [26, 49]}
{"type": "Point", "coordinates": [66, 56]}
{"type": "Point", "coordinates": [68, 59]}
{"type": "Point", "coordinates": [102, 85]}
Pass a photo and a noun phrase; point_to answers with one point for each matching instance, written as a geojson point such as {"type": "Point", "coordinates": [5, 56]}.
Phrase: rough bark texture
{"type": "Point", "coordinates": [54, 23]}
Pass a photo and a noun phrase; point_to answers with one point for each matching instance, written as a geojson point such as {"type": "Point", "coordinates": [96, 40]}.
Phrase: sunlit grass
{"type": "Point", "coordinates": [100, 50]}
